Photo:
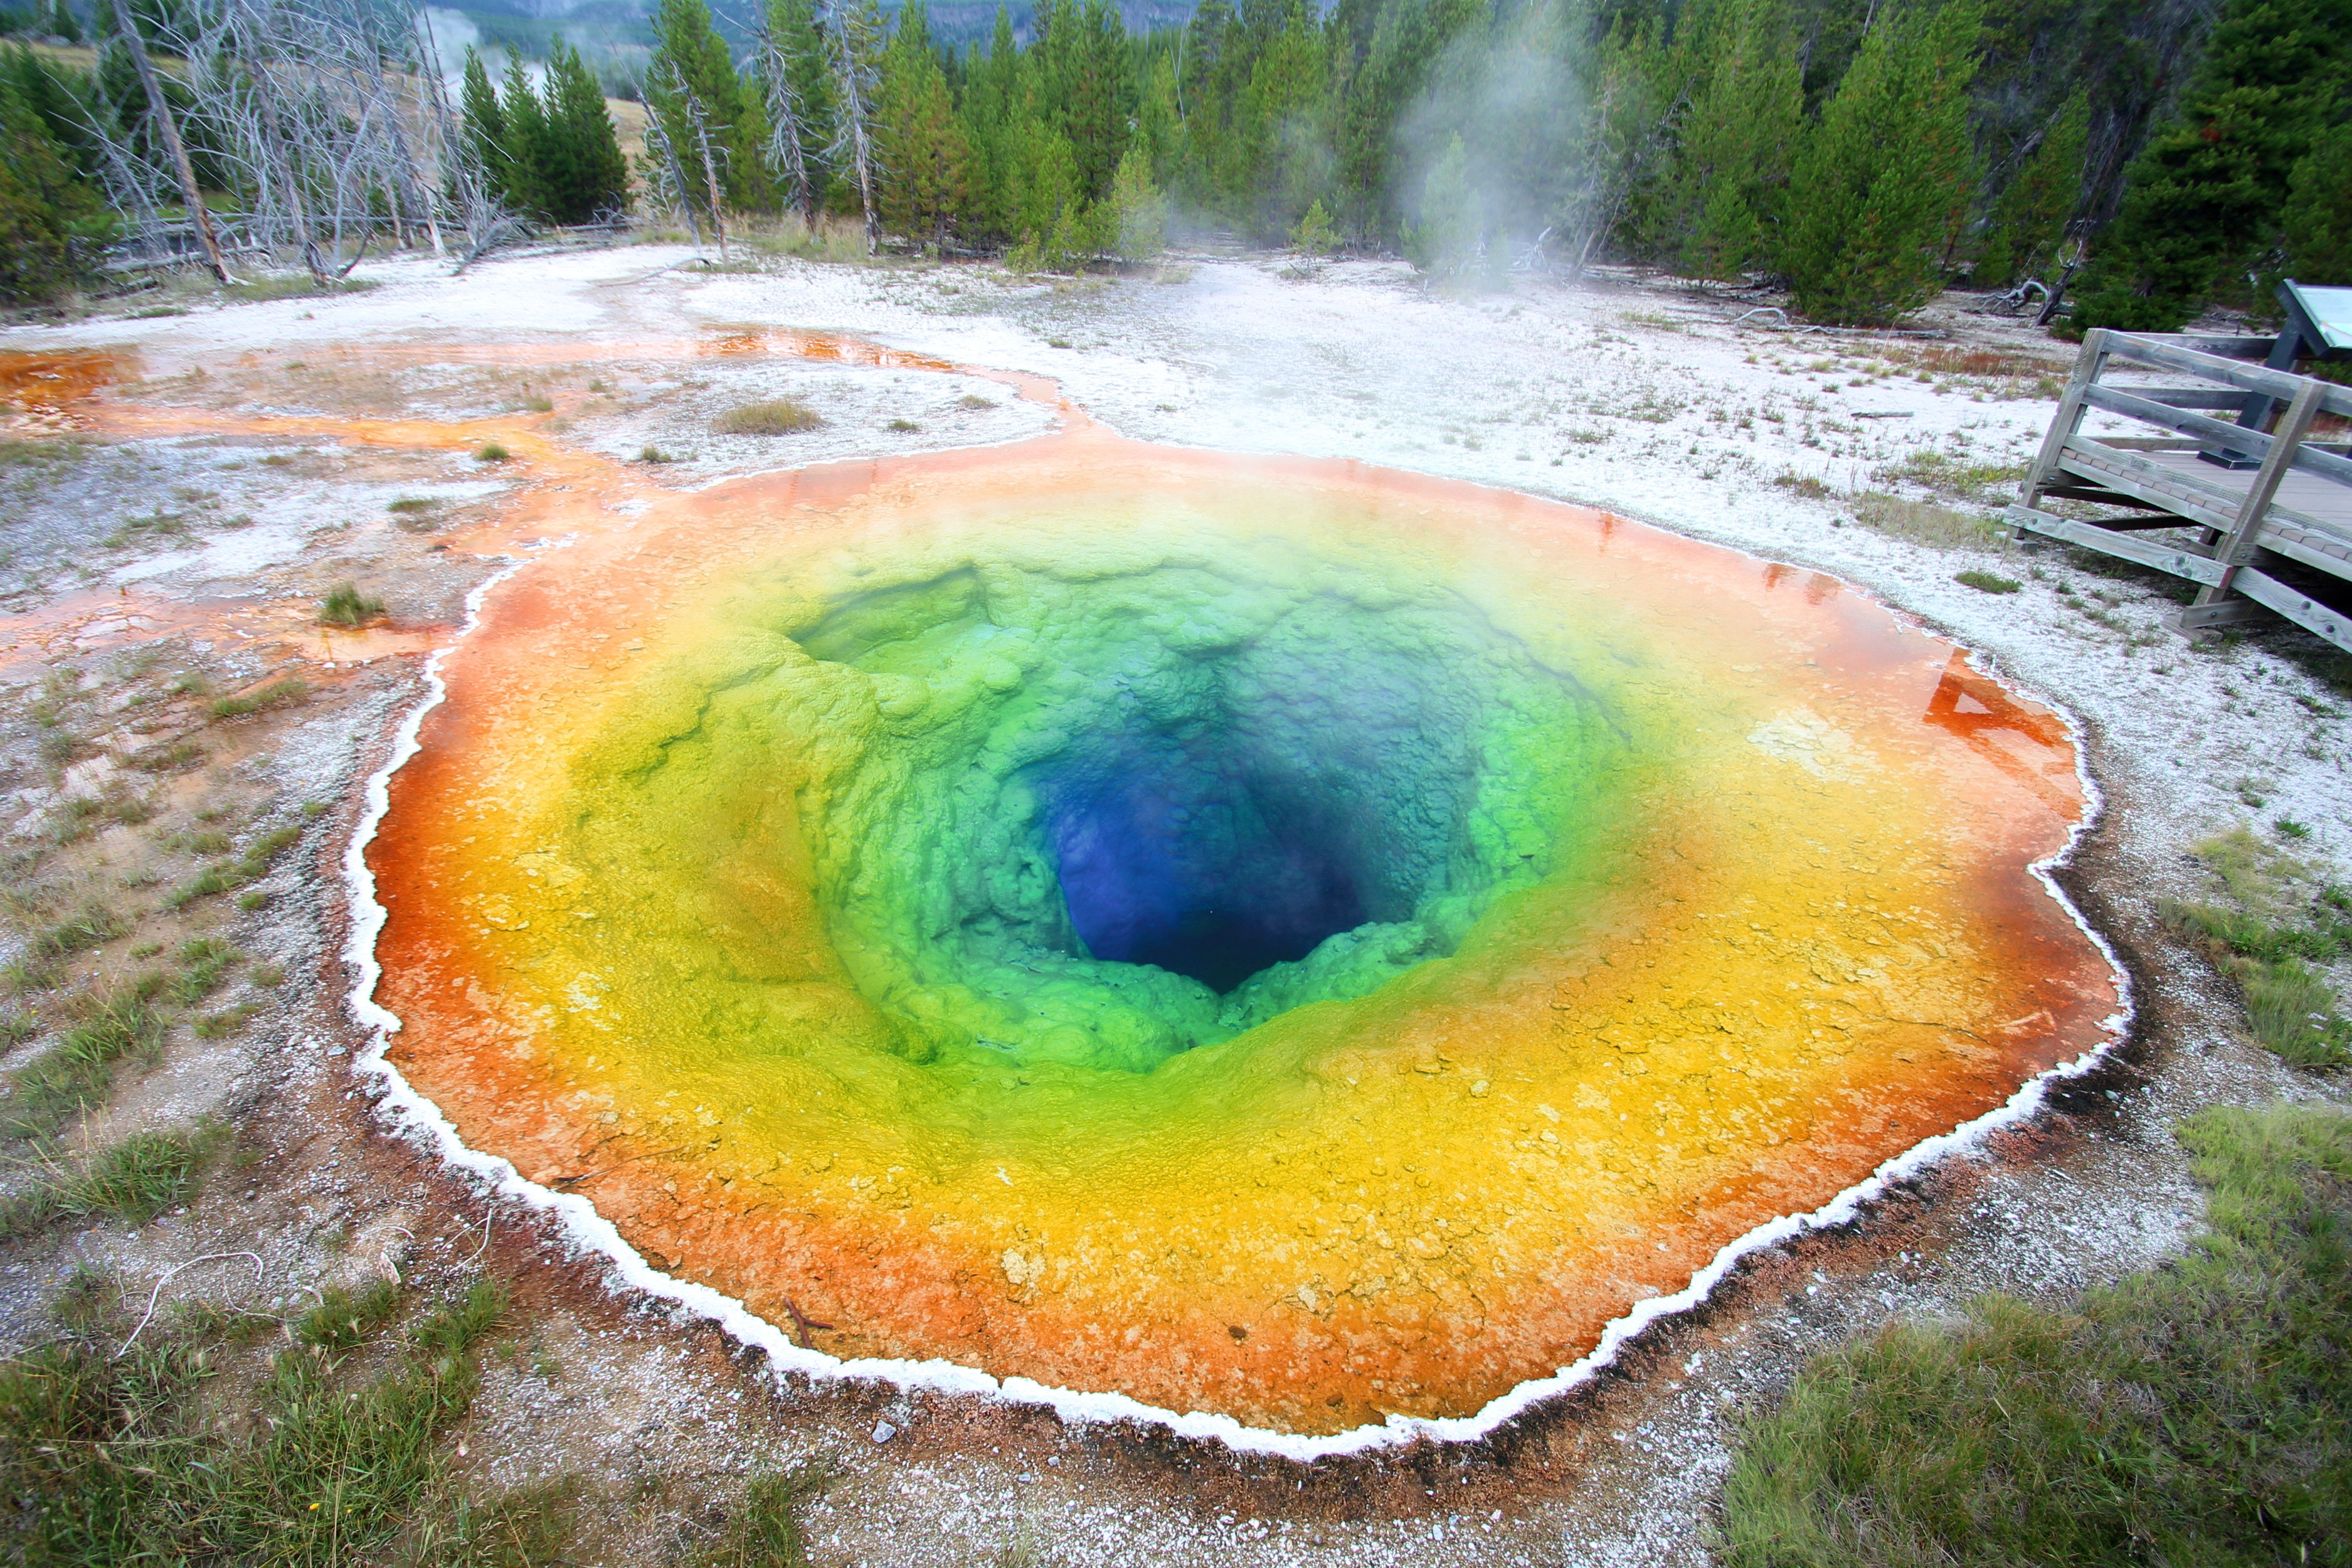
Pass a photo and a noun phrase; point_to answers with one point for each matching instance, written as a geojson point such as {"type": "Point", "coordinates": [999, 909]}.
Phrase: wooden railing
{"type": "Point", "coordinates": [2252, 493]}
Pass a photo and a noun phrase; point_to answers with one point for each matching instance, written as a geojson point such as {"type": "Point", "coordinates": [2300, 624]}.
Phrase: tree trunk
{"type": "Point", "coordinates": [172, 142]}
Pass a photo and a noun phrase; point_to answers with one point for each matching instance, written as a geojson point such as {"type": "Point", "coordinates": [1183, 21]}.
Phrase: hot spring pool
{"type": "Point", "coordinates": [1271, 938]}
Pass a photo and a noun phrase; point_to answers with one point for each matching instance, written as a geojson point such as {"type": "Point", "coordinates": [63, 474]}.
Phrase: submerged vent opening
{"type": "Point", "coordinates": [1103, 819]}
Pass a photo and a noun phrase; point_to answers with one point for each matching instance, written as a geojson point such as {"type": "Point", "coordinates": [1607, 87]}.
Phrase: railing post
{"type": "Point", "coordinates": [2237, 547]}
{"type": "Point", "coordinates": [2065, 421]}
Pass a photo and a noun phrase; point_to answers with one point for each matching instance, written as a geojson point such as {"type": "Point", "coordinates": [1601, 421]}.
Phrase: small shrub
{"type": "Point", "coordinates": [904, 427]}
{"type": "Point", "coordinates": [538, 403]}
{"type": "Point", "coordinates": [346, 606]}
{"type": "Point", "coordinates": [653, 454]}
{"type": "Point", "coordinates": [1986, 581]}
{"type": "Point", "coordinates": [779, 417]}
{"type": "Point", "coordinates": [975, 402]}
{"type": "Point", "coordinates": [492, 452]}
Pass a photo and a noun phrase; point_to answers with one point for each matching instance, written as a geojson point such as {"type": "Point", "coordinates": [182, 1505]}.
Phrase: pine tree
{"type": "Point", "coordinates": [485, 127]}
{"type": "Point", "coordinates": [530, 157]}
{"type": "Point", "coordinates": [1279, 148]}
{"type": "Point", "coordinates": [2030, 219]}
{"type": "Point", "coordinates": [1139, 213]}
{"type": "Point", "coordinates": [1724, 203]}
{"type": "Point", "coordinates": [2319, 217]}
{"type": "Point", "coordinates": [40, 200]}
{"type": "Point", "coordinates": [1158, 127]}
{"type": "Point", "coordinates": [1446, 241]}
{"type": "Point", "coordinates": [1076, 88]}
{"type": "Point", "coordinates": [693, 75]}
{"type": "Point", "coordinates": [924, 161]}
{"type": "Point", "coordinates": [994, 114]}
{"type": "Point", "coordinates": [596, 177]}
{"type": "Point", "coordinates": [1884, 183]}
{"type": "Point", "coordinates": [2202, 200]}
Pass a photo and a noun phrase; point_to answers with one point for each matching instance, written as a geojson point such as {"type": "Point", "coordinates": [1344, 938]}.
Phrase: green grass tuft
{"type": "Point", "coordinates": [346, 606]}
{"type": "Point", "coordinates": [765, 1532]}
{"type": "Point", "coordinates": [290, 689]}
{"type": "Point", "coordinates": [134, 1180]}
{"type": "Point", "coordinates": [344, 1320]}
{"type": "Point", "coordinates": [780, 416]}
{"type": "Point", "coordinates": [492, 452]}
{"type": "Point", "coordinates": [1986, 581]}
{"type": "Point", "coordinates": [2199, 1413]}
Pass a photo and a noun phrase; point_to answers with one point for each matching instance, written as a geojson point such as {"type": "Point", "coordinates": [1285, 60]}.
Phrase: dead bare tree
{"type": "Point", "coordinates": [667, 178]}
{"type": "Point", "coordinates": [857, 81]}
{"type": "Point", "coordinates": [159, 110]}
{"type": "Point", "coordinates": [697, 125]}
{"type": "Point", "coordinates": [786, 148]}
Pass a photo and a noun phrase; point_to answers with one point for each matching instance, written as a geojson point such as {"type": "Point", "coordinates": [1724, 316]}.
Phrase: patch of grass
{"type": "Point", "coordinates": [344, 1319]}
{"type": "Point", "coordinates": [1955, 478]}
{"type": "Point", "coordinates": [492, 452]}
{"type": "Point", "coordinates": [1986, 581]}
{"type": "Point", "coordinates": [975, 402]}
{"type": "Point", "coordinates": [2266, 937]}
{"type": "Point", "coordinates": [653, 454]}
{"type": "Point", "coordinates": [765, 1532]}
{"type": "Point", "coordinates": [229, 875]}
{"type": "Point", "coordinates": [1923, 522]}
{"type": "Point", "coordinates": [2287, 828]}
{"type": "Point", "coordinates": [538, 403]}
{"type": "Point", "coordinates": [228, 1021]}
{"type": "Point", "coordinates": [134, 1180]}
{"type": "Point", "coordinates": [167, 757]}
{"type": "Point", "coordinates": [118, 1460]}
{"type": "Point", "coordinates": [290, 688]}
{"type": "Point", "coordinates": [412, 506]}
{"type": "Point", "coordinates": [526, 1527]}
{"type": "Point", "coordinates": [346, 606]}
{"type": "Point", "coordinates": [2199, 1413]}
{"type": "Point", "coordinates": [904, 427]}
{"type": "Point", "coordinates": [205, 962]}
{"type": "Point", "coordinates": [1812, 486]}
{"type": "Point", "coordinates": [778, 416]}
{"type": "Point", "coordinates": [94, 926]}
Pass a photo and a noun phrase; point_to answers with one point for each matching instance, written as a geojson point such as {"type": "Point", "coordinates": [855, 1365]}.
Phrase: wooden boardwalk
{"type": "Point", "coordinates": [2287, 497]}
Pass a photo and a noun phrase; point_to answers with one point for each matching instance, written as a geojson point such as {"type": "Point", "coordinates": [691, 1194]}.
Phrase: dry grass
{"type": "Point", "coordinates": [778, 416]}
{"type": "Point", "coordinates": [1925, 522]}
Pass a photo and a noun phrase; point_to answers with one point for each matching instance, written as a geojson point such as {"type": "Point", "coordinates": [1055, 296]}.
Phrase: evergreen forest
{"type": "Point", "coordinates": [2167, 157]}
